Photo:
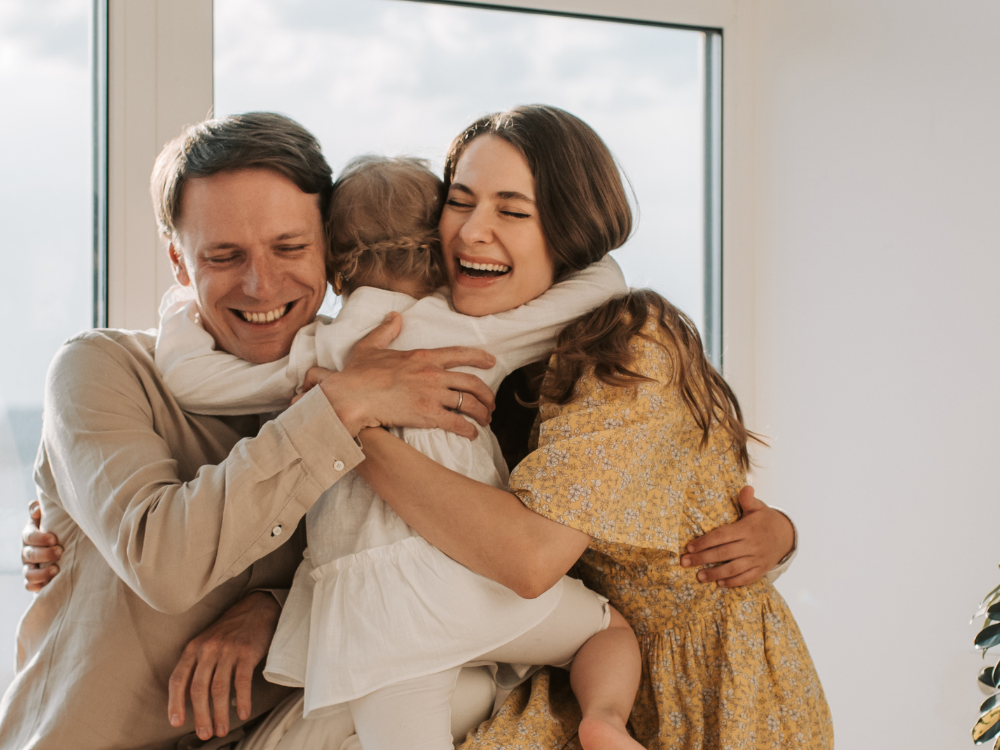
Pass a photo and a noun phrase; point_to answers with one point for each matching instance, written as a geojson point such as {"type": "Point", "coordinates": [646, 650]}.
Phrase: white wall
{"type": "Point", "coordinates": [877, 185]}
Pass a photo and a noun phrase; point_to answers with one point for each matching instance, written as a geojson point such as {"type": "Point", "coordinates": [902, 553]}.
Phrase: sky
{"type": "Point", "coordinates": [397, 77]}
{"type": "Point", "coordinates": [45, 186]}
{"type": "Point", "coordinates": [45, 224]}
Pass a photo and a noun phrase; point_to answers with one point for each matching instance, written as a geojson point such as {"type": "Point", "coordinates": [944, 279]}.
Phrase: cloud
{"type": "Point", "coordinates": [53, 31]}
{"type": "Point", "coordinates": [403, 77]}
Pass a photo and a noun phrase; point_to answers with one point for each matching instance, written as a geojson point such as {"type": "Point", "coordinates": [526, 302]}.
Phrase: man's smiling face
{"type": "Point", "coordinates": [252, 244]}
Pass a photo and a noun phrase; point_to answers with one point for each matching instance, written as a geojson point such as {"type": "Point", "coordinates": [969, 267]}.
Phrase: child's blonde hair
{"type": "Point", "coordinates": [383, 222]}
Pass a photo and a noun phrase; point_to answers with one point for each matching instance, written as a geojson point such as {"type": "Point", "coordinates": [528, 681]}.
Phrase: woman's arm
{"type": "Point", "coordinates": [491, 532]}
{"type": "Point", "coordinates": [486, 529]}
{"type": "Point", "coordinates": [173, 538]}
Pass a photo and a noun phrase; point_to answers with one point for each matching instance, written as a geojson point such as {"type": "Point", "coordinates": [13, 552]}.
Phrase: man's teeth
{"type": "Point", "coordinates": [498, 267]}
{"type": "Point", "coordinates": [264, 317]}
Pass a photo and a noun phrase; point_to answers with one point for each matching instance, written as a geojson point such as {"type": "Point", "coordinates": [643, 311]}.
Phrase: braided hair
{"type": "Point", "coordinates": [383, 222]}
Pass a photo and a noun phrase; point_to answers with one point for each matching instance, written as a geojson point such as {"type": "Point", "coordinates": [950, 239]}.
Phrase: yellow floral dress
{"type": "Point", "coordinates": [723, 668]}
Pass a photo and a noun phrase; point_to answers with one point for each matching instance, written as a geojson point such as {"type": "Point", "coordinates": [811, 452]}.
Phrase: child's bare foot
{"type": "Point", "coordinates": [605, 733]}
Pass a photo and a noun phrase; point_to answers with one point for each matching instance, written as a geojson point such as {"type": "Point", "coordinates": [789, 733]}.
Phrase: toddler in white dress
{"type": "Point", "coordinates": [377, 617]}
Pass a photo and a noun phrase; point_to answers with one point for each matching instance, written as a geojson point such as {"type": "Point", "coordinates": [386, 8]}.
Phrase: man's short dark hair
{"type": "Point", "coordinates": [254, 140]}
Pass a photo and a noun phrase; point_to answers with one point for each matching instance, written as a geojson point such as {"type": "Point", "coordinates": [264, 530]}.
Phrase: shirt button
{"type": "Point", "coordinates": [276, 531]}
{"type": "Point", "coordinates": [338, 465]}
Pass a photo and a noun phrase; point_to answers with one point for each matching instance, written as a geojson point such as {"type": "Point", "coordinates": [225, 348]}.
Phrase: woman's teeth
{"type": "Point", "coordinates": [483, 268]}
{"type": "Point", "coordinates": [264, 317]}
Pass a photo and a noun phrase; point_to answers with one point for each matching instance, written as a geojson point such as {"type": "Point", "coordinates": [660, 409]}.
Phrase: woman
{"type": "Point", "coordinates": [641, 449]}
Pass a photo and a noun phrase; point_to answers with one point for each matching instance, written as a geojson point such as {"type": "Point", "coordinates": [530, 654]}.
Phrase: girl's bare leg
{"type": "Point", "coordinates": [605, 677]}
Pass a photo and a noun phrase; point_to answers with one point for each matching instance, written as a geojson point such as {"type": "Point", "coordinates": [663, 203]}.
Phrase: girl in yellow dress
{"type": "Point", "coordinates": [641, 448]}
{"type": "Point", "coordinates": [644, 457]}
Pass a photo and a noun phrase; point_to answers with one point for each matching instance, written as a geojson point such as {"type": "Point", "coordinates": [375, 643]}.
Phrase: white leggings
{"type": "Point", "coordinates": [417, 714]}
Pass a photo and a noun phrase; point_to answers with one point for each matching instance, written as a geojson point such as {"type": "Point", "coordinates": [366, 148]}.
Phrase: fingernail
{"type": "Point", "coordinates": [690, 548]}
{"type": "Point", "coordinates": [220, 730]}
{"type": "Point", "coordinates": [685, 562]}
{"type": "Point", "coordinates": [175, 720]}
{"type": "Point", "coordinates": [243, 714]}
{"type": "Point", "coordinates": [58, 552]}
{"type": "Point", "coordinates": [204, 733]}
{"type": "Point", "coordinates": [701, 576]}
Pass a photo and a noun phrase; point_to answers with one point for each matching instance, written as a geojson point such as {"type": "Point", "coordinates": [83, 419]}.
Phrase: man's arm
{"type": "Point", "coordinates": [173, 541]}
{"type": "Point", "coordinates": [116, 475]}
{"type": "Point", "coordinates": [221, 658]}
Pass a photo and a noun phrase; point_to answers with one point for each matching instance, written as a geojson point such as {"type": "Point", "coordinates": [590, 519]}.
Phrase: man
{"type": "Point", "coordinates": [179, 528]}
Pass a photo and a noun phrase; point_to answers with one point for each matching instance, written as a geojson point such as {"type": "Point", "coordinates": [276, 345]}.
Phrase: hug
{"type": "Point", "coordinates": [282, 530]}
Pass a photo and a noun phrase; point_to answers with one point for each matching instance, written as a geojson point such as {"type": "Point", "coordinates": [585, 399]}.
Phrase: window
{"type": "Point", "coordinates": [400, 77]}
{"type": "Point", "coordinates": [46, 211]}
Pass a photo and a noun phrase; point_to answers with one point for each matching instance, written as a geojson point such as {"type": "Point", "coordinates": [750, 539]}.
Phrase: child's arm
{"type": "Point", "coordinates": [528, 333]}
{"type": "Point", "coordinates": [208, 381]}
{"type": "Point", "coordinates": [515, 337]}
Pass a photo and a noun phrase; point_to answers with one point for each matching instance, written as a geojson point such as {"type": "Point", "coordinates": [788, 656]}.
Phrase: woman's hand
{"type": "Point", "coordinates": [39, 552]}
{"type": "Point", "coordinates": [224, 655]}
{"type": "Point", "coordinates": [746, 549]}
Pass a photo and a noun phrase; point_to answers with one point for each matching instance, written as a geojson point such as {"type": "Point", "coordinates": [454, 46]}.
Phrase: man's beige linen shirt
{"type": "Point", "coordinates": [167, 519]}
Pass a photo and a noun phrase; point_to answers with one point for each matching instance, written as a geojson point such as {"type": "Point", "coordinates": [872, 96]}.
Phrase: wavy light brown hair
{"type": "Point", "coordinates": [600, 341]}
{"type": "Point", "coordinates": [581, 200]}
{"type": "Point", "coordinates": [383, 222]}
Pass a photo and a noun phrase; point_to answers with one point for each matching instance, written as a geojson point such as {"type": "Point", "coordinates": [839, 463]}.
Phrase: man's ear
{"type": "Point", "coordinates": [177, 262]}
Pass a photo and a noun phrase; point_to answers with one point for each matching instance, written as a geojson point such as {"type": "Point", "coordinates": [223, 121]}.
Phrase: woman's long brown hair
{"type": "Point", "coordinates": [600, 340]}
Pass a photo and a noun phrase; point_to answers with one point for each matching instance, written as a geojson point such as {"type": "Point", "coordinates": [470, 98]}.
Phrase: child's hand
{"type": "Point", "coordinates": [314, 376]}
{"type": "Point", "coordinates": [39, 551]}
{"type": "Point", "coordinates": [746, 549]}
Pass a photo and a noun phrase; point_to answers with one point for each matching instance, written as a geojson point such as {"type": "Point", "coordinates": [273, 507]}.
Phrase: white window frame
{"type": "Point", "coordinates": [160, 78]}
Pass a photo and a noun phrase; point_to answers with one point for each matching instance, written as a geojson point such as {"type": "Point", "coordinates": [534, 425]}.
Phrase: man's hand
{"type": "Point", "coordinates": [225, 654]}
{"type": "Point", "coordinates": [384, 387]}
{"type": "Point", "coordinates": [747, 549]}
{"type": "Point", "coordinates": [39, 552]}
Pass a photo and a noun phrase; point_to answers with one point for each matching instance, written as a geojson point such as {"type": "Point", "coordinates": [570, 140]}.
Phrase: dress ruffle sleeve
{"type": "Point", "coordinates": [621, 464]}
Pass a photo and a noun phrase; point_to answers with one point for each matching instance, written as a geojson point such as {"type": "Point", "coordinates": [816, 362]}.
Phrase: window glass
{"type": "Point", "coordinates": [46, 219]}
{"type": "Point", "coordinates": [395, 77]}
